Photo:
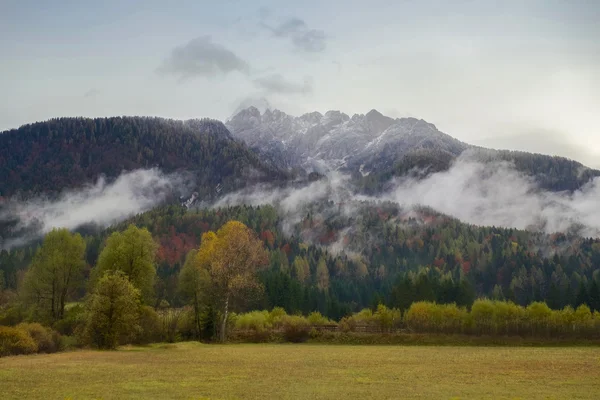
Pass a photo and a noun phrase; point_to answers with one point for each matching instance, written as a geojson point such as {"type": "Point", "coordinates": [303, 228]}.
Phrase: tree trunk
{"type": "Point", "coordinates": [224, 323]}
{"type": "Point", "coordinates": [197, 315]}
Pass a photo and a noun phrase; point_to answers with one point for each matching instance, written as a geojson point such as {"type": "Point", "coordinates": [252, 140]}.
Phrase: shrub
{"type": "Point", "coordinates": [421, 316]}
{"type": "Point", "coordinates": [47, 340]}
{"type": "Point", "coordinates": [540, 318]}
{"type": "Point", "coordinates": [276, 317]}
{"type": "Point", "coordinates": [296, 329]}
{"type": "Point", "coordinates": [69, 342]}
{"type": "Point", "coordinates": [15, 341]}
{"type": "Point", "coordinates": [186, 326]}
{"type": "Point", "coordinates": [347, 324]}
{"type": "Point", "coordinates": [584, 322]}
{"type": "Point", "coordinates": [74, 317]}
{"type": "Point", "coordinates": [150, 326]}
{"type": "Point", "coordinates": [452, 318]}
{"type": "Point", "coordinates": [387, 318]}
{"type": "Point", "coordinates": [257, 321]}
{"type": "Point", "coordinates": [365, 317]}
{"type": "Point", "coordinates": [482, 314]}
{"type": "Point", "coordinates": [316, 318]}
{"type": "Point", "coordinates": [169, 323]}
{"type": "Point", "coordinates": [12, 315]}
{"type": "Point", "coordinates": [314, 333]}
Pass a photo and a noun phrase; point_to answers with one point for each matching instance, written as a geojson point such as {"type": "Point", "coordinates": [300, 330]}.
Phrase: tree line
{"type": "Point", "coordinates": [485, 317]}
{"type": "Point", "coordinates": [234, 270]}
{"type": "Point", "coordinates": [388, 257]}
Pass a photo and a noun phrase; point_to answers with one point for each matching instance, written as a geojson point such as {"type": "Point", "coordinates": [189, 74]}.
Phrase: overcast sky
{"type": "Point", "coordinates": [521, 74]}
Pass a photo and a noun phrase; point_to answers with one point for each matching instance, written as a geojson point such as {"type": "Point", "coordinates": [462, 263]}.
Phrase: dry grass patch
{"type": "Point", "coordinates": [286, 371]}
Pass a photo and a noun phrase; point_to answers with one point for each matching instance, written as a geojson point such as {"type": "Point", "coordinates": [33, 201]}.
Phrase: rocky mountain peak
{"type": "Point", "coordinates": [313, 140]}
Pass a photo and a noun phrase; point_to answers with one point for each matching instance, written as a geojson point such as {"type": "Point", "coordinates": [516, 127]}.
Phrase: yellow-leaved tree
{"type": "Point", "coordinates": [232, 256]}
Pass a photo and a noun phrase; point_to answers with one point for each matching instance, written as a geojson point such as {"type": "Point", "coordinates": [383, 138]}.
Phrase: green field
{"type": "Point", "coordinates": [280, 371]}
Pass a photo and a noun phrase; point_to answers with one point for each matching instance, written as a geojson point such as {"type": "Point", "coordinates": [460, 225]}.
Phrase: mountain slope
{"type": "Point", "coordinates": [375, 148]}
{"type": "Point", "coordinates": [335, 140]}
{"type": "Point", "coordinates": [47, 157]}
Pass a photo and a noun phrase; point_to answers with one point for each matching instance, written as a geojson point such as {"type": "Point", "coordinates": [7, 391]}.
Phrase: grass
{"type": "Point", "coordinates": [286, 371]}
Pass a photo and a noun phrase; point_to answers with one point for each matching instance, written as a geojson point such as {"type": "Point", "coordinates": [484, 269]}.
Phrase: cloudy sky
{"type": "Point", "coordinates": [521, 74]}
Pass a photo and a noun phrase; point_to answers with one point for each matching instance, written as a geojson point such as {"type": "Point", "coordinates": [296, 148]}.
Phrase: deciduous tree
{"type": "Point", "coordinates": [56, 272]}
{"type": "Point", "coordinates": [133, 252]}
{"type": "Point", "coordinates": [113, 311]}
{"type": "Point", "coordinates": [194, 285]}
{"type": "Point", "coordinates": [232, 257]}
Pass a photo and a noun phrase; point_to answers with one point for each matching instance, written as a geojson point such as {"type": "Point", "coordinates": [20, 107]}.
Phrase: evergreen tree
{"type": "Point", "coordinates": [594, 296]}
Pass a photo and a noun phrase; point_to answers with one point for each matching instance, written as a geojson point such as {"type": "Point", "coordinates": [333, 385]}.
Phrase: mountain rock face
{"type": "Point", "coordinates": [318, 142]}
{"type": "Point", "coordinates": [374, 148]}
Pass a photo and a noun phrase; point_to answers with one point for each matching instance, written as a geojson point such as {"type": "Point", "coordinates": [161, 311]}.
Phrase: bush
{"type": "Point", "coordinates": [387, 319]}
{"type": "Point", "coordinates": [316, 319]}
{"type": "Point", "coordinates": [69, 342]}
{"type": "Point", "coordinates": [186, 326]}
{"type": "Point", "coordinates": [15, 341]}
{"type": "Point", "coordinates": [539, 316]}
{"type": "Point", "coordinates": [169, 324]}
{"type": "Point", "coordinates": [12, 315]}
{"type": "Point", "coordinates": [314, 333]}
{"type": "Point", "coordinates": [276, 317]}
{"type": "Point", "coordinates": [47, 340]}
{"type": "Point", "coordinates": [296, 329]}
{"type": "Point", "coordinates": [74, 317]}
{"type": "Point", "coordinates": [257, 321]}
{"type": "Point", "coordinates": [150, 326]}
{"type": "Point", "coordinates": [421, 316]}
{"type": "Point", "coordinates": [347, 324]}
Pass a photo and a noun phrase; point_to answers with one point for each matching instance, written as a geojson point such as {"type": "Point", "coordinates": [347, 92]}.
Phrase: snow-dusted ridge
{"type": "Point", "coordinates": [334, 140]}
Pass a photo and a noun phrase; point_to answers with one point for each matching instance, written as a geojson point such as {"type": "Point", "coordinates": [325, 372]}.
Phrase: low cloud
{"type": "Point", "coordinates": [261, 103]}
{"type": "Point", "coordinates": [277, 84]}
{"type": "Point", "coordinates": [496, 194]}
{"type": "Point", "coordinates": [101, 204]}
{"type": "Point", "coordinates": [292, 201]}
{"type": "Point", "coordinates": [202, 57]}
{"type": "Point", "coordinates": [483, 194]}
{"type": "Point", "coordinates": [300, 35]}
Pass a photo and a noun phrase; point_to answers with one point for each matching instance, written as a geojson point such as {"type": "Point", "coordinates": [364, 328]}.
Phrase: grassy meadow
{"type": "Point", "coordinates": [287, 371]}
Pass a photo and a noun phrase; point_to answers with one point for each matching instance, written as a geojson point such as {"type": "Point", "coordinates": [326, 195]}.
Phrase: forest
{"type": "Point", "coordinates": [551, 173]}
{"type": "Point", "coordinates": [397, 261]}
{"type": "Point", "coordinates": [48, 157]}
{"type": "Point", "coordinates": [432, 256]}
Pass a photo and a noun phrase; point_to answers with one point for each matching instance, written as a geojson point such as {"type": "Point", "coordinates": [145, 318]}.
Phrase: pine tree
{"type": "Point", "coordinates": [554, 298]}
{"type": "Point", "coordinates": [594, 296]}
{"type": "Point", "coordinates": [582, 296]}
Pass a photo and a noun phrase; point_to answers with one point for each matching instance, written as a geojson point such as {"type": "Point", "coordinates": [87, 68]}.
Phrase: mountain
{"type": "Point", "coordinates": [47, 157]}
{"type": "Point", "coordinates": [375, 148]}
{"type": "Point", "coordinates": [367, 245]}
{"type": "Point", "coordinates": [335, 140]}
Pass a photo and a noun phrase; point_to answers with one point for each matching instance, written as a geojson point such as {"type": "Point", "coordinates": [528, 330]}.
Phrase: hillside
{"type": "Point", "coordinates": [47, 157]}
{"type": "Point", "coordinates": [389, 254]}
